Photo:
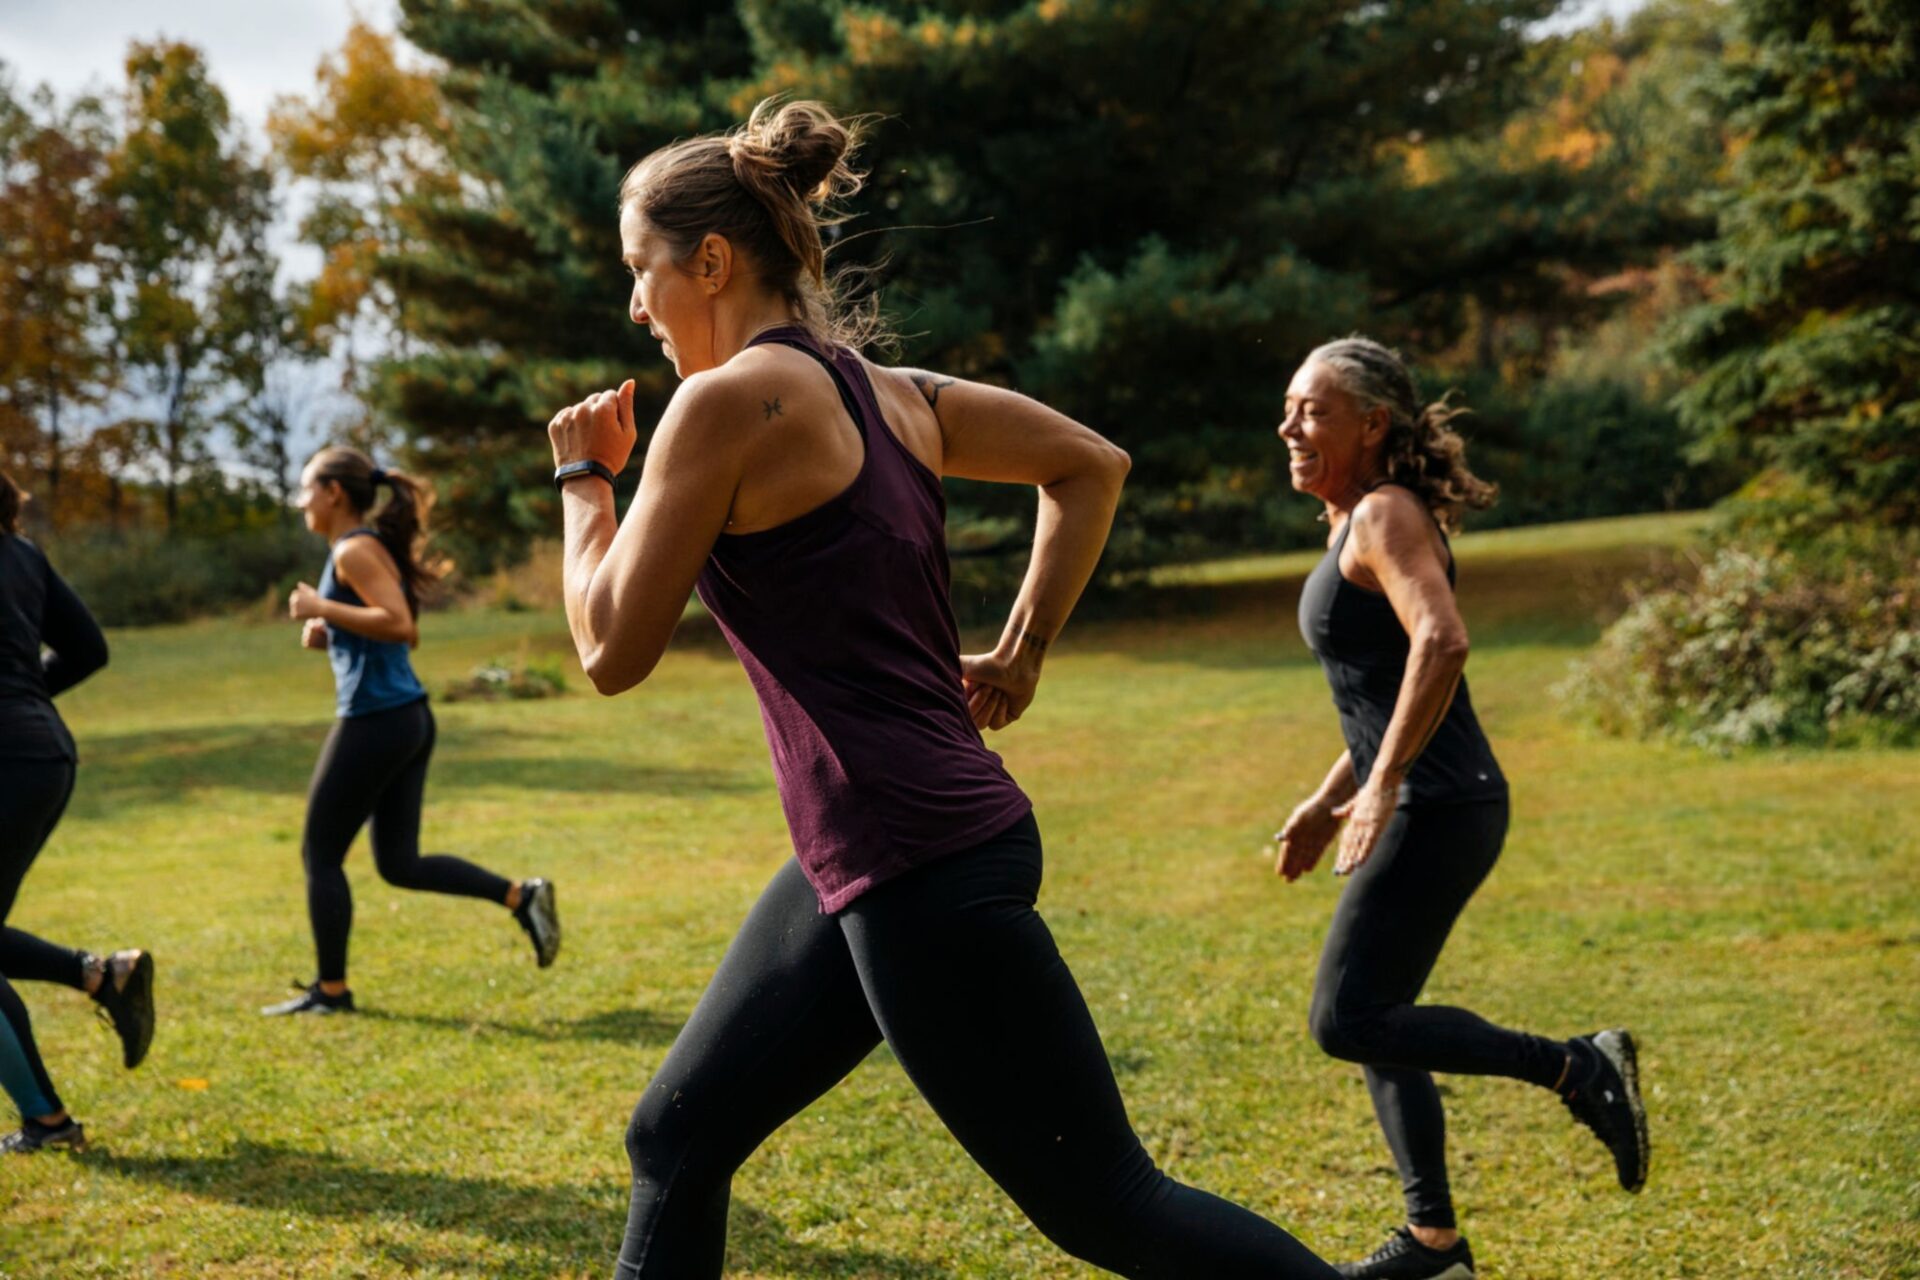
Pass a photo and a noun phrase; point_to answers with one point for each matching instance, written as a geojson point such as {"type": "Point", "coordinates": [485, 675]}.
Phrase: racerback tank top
{"type": "Point", "coordinates": [368, 675]}
{"type": "Point", "coordinates": [842, 621]}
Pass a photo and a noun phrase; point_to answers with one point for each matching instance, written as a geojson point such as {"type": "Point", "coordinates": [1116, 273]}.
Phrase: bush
{"type": "Point", "coordinates": [1817, 645]}
{"type": "Point", "coordinates": [141, 578]}
{"type": "Point", "coordinates": [498, 680]}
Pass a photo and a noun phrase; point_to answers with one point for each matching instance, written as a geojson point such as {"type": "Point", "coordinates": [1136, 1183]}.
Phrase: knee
{"type": "Point", "coordinates": [1340, 1033]}
{"type": "Point", "coordinates": [654, 1135]}
{"type": "Point", "coordinates": [400, 872]}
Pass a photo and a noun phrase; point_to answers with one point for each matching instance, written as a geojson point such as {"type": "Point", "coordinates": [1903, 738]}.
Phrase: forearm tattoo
{"type": "Point", "coordinates": [1032, 641]}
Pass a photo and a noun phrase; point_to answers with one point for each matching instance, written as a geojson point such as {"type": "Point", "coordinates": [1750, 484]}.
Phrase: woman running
{"type": "Point", "coordinates": [1424, 802]}
{"type": "Point", "coordinates": [798, 486]}
{"type": "Point", "coordinates": [374, 764]}
{"type": "Point", "coordinates": [48, 644]}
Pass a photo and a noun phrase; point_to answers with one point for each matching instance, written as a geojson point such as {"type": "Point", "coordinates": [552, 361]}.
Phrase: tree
{"type": "Point", "coordinates": [1807, 352]}
{"type": "Point", "coordinates": [192, 274]}
{"type": "Point", "coordinates": [52, 228]}
{"type": "Point", "coordinates": [369, 138]}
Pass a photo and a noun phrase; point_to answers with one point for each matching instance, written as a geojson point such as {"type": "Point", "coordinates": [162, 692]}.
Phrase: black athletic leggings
{"type": "Point", "coordinates": [1387, 932]}
{"type": "Point", "coordinates": [954, 968]}
{"type": "Point", "coordinates": [33, 795]}
{"type": "Point", "coordinates": [375, 767]}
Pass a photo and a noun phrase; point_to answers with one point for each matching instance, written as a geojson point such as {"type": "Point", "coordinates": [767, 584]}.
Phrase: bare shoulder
{"type": "Point", "coordinates": [1394, 522]}
{"type": "Point", "coordinates": [910, 401]}
{"type": "Point", "coordinates": [363, 560]}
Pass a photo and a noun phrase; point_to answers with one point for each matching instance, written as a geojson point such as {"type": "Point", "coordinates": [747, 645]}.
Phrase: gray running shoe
{"type": "Point", "coordinates": [1404, 1258]}
{"type": "Point", "coordinates": [125, 1001]}
{"type": "Point", "coordinates": [311, 1000]}
{"type": "Point", "coordinates": [1606, 1099]}
{"type": "Point", "coordinates": [539, 915]}
{"type": "Point", "coordinates": [33, 1136]}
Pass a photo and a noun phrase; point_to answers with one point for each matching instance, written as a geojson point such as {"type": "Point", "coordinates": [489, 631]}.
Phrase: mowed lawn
{"type": "Point", "coordinates": [1755, 920]}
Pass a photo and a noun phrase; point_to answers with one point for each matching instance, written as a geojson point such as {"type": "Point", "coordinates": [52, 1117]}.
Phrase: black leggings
{"type": "Point", "coordinates": [33, 795]}
{"type": "Point", "coordinates": [954, 968]}
{"type": "Point", "coordinates": [1387, 932]}
{"type": "Point", "coordinates": [375, 767]}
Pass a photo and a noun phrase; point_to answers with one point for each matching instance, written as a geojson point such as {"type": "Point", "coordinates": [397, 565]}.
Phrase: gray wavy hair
{"type": "Point", "coordinates": [1423, 452]}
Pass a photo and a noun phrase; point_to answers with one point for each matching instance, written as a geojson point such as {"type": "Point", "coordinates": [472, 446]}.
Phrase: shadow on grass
{"type": "Point", "coordinates": [574, 1228]}
{"type": "Point", "coordinates": [159, 766]}
{"type": "Point", "coordinates": [614, 1026]}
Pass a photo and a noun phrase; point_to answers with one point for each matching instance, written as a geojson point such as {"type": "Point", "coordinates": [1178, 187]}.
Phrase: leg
{"type": "Point", "coordinates": [783, 1021]}
{"type": "Point", "coordinates": [1387, 933]}
{"type": "Point", "coordinates": [33, 795]}
{"type": "Point", "coordinates": [396, 829]}
{"type": "Point", "coordinates": [356, 763]}
{"type": "Point", "coordinates": [974, 998]}
{"type": "Point", "coordinates": [22, 1073]}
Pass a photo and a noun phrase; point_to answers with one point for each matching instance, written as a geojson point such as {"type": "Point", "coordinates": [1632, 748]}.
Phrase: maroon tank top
{"type": "Point", "coordinates": [842, 620]}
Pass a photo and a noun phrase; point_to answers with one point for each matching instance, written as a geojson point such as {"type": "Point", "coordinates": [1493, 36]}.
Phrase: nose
{"type": "Point", "coordinates": [1289, 428]}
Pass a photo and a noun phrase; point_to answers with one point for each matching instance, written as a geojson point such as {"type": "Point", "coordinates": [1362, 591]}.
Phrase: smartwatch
{"type": "Point", "coordinates": [584, 467]}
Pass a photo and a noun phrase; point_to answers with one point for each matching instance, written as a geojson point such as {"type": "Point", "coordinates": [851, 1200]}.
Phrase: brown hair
{"type": "Point", "coordinates": [9, 504]}
{"type": "Point", "coordinates": [1423, 452]}
{"type": "Point", "coordinates": [400, 524]}
{"type": "Point", "coordinates": [768, 186]}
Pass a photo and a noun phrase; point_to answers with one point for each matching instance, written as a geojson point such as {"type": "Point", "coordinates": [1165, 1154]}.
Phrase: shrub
{"type": "Point", "coordinates": [141, 578]}
{"type": "Point", "coordinates": [1816, 645]}
{"type": "Point", "coordinates": [499, 679]}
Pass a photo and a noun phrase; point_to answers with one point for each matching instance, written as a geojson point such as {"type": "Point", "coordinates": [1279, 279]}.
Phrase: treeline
{"type": "Point", "coordinates": [1662, 258]}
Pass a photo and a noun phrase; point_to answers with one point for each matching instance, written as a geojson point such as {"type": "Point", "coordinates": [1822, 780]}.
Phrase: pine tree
{"type": "Point", "coordinates": [1807, 353]}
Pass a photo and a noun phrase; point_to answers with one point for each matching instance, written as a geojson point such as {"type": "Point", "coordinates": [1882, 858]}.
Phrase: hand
{"type": "Point", "coordinates": [1309, 830]}
{"type": "Point", "coordinates": [314, 634]}
{"type": "Point", "coordinates": [599, 427]}
{"type": "Point", "coordinates": [1370, 812]}
{"type": "Point", "coordinates": [303, 603]}
{"type": "Point", "coordinates": [999, 689]}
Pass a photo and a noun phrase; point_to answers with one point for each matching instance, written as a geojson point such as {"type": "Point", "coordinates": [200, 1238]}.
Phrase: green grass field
{"type": "Point", "coordinates": [1755, 919]}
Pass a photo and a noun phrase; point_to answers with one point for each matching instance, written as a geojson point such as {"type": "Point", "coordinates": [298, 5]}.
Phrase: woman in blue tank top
{"type": "Point", "coordinates": [373, 768]}
{"type": "Point", "coordinates": [797, 485]}
{"type": "Point", "coordinates": [1422, 798]}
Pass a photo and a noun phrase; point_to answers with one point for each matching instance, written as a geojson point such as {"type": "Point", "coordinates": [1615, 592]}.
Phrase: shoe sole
{"type": "Point", "coordinates": [139, 992]}
{"type": "Point", "coordinates": [545, 906]}
{"type": "Point", "coordinates": [1618, 1048]}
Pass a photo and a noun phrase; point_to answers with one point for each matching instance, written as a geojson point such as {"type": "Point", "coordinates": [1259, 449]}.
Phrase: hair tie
{"type": "Point", "coordinates": [377, 476]}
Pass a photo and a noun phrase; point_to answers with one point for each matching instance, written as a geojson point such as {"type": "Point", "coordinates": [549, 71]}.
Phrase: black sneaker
{"type": "Point", "coordinates": [1605, 1097]}
{"type": "Point", "coordinates": [311, 1000]}
{"type": "Point", "coordinates": [1404, 1258]}
{"type": "Point", "coordinates": [125, 998]}
{"type": "Point", "coordinates": [540, 917]}
{"type": "Point", "coordinates": [33, 1136]}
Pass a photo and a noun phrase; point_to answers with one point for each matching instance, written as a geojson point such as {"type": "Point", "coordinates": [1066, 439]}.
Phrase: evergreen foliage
{"type": "Point", "coordinates": [1808, 349]}
{"type": "Point", "coordinates": [1142, 211]}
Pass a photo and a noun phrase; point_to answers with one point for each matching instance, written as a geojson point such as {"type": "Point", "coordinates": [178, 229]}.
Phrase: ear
{"type": "Point", "coordinates": [713, 262]}
{"type": "Point", "coordinates": [1374, 430]}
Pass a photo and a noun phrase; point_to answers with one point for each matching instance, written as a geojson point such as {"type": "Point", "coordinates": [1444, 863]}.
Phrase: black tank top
{"type": "Point", "coordinates": [1363, 649]}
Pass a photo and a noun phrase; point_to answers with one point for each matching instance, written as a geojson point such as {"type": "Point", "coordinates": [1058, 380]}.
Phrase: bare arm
{"type": "Point", "coordinates": [364, 565]}
{"type": "Point", "coordinates": [1394, 541]}
{"type": "Point", "coordinates": [627, 582]}
{"type": "Point", "coordinates": [988, 433]}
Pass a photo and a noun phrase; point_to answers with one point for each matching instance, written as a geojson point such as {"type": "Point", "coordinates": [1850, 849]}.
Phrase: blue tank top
{"type": "Point", "coordinates": [368, 675]}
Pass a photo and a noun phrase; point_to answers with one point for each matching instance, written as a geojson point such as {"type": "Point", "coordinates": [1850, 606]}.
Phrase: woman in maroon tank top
{"type": "Point", "coordinates": [797, 486]}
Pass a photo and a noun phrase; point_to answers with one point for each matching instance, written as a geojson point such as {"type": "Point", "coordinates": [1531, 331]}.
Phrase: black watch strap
{"type": "Point", "coordinates": [584, 467]}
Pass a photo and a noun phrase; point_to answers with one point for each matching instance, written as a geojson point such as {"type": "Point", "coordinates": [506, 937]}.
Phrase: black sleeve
{"type": "Point", "coordinates": [69, 630]}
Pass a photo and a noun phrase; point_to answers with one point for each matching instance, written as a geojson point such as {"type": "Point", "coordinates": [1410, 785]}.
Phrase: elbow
{"type": "Point", "coordinates": [609, 676]}
{"type": "Point", "coordinates": [1446, 647]}
{"type": "Point", "coordinates": [1115, 463]}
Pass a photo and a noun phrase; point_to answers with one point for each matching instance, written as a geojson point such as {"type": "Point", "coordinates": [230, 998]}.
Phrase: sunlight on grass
{"type": "Point", "coordinates": [1756, 919]}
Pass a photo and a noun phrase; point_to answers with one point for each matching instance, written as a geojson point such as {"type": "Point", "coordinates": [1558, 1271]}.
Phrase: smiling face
{"type": "Point", "coordinates": [1333, 443]}
{"type": "Point", "coordinates": [674, 303]}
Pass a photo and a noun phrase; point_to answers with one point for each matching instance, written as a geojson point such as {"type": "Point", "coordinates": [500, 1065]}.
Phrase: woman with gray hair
{"type": "Point", "coordinates": [1421, 795]}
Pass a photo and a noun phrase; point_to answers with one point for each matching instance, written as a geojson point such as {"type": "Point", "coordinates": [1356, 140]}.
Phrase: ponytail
{"type": "Point", "coordinates": [401, 522]}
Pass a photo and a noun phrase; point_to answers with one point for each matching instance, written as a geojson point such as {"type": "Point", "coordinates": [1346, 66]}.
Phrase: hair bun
{"type": "Point", "coordinates": [798, 144]}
